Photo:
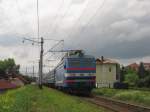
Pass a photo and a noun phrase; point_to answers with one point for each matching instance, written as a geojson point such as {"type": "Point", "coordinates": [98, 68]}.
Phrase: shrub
{"type": "Point", "coordinates": [119, 85]}
{"type": "Point", "coordinates": [132, 79]}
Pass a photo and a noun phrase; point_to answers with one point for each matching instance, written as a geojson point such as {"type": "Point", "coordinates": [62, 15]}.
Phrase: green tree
{"type": "Point", "coordinates": [8, 66]}
{"type": "Point", "coordinates": [141, 71]}
{"type": "Point", "coordinates": [145, 82]}
{"type": "Point", "coordinates": [131, 78]}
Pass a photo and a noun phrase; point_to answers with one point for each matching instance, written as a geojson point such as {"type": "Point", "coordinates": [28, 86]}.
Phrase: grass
{"type": "Point", "coordinates": [132, 96]}
{"type": "Point", "coordinates": [31, 99]}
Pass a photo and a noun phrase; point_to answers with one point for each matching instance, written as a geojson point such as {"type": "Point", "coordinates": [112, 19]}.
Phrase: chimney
{"type": "Point", "coordinates": [102, 58]}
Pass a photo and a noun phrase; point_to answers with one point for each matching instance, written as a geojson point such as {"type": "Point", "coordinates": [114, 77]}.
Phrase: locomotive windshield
{"type": "Point", "coordinates": [82, 62]}
{"type": "Point", "coordinates": [73, 63]}
{"type": "Point", "coordinates": [80, 65]}
{"type": "Point", "coordinates": [87, 63]}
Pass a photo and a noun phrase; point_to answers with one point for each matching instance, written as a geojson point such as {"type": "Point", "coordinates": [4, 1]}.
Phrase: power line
{"type": "Point", "coordinates": [63, 17]}
{"type": "Point", "coordinates": [65, 13]}
{"type": "Point", "coordinates": [98, 9]}
{"type": "Point", "coordinates": [53, 47]}
{"type": "Point", "coordinates": [78, 20]}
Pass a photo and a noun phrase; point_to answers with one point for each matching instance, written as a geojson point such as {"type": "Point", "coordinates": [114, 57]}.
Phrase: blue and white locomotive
{"type": "Point", "coordinates": [75, 73]}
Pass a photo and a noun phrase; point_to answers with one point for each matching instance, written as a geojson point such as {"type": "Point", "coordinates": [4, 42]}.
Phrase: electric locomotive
{"type": "Point", "coordinates": [76, 73]}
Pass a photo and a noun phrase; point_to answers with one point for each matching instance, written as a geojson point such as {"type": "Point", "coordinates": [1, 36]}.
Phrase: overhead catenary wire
{"type": "Point", "coordinates": [63, 16]}
{"type": "Point", "coordinates": [38, 30]}
{"type": "Point", "coordinates": [78, 20]}
{"type": "Point", "coordinates": [98, 9]}
{"type": "Point", "coordinates": [52, 54]}
{"type": "Point", "coordinates": [73, 25]}
{"type": "Point", "coordinates": [82, 29]}
{"type": "Point", "coordinates": [23, 21]}
{"type": "Point", "coordinates": [53, 47]}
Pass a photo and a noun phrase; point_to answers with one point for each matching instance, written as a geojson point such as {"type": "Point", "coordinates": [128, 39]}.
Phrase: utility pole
{"type": "Point", "coordinates": [41, 58]}
{"type": "Point", "coordinates": [41, 64]}
{"type": "Point", "coordinates": [41, 42]}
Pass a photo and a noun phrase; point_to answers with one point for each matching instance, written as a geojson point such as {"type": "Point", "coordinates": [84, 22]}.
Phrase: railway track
{"type": "Point", "coordinates": [115, 105]}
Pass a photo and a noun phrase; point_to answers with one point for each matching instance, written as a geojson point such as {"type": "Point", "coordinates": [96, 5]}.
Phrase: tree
{"type": "Point", "coordinates": [132, 79]}
{"type": "Point", "coordinates": [8, 66]}
{"type": "Point", "coordinates": [141, 71]}
{"type": "Point", "coordinates": [145, 82]}
{"type": "Point", "coordinates": [122, 74]}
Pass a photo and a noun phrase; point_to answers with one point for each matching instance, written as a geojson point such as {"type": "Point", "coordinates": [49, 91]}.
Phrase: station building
{"type": "Point", "coordinates": [107, 72]}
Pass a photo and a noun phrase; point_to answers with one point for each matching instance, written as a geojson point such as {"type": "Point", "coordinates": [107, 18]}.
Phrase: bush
{"type": "Point", "coordinates": [132, 79]}
{"type": "Point", "coordinates": [145, 82]}
{"type": "Point", "coordinates": [119, 85]}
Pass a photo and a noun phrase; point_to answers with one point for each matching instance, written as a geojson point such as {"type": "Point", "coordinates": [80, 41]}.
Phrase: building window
{"type": "Point", "coordinates": [109, 69]}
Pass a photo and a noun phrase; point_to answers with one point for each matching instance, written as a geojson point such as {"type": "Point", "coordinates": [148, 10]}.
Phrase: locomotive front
{"type": "Point", "coordinates": [80, 73]}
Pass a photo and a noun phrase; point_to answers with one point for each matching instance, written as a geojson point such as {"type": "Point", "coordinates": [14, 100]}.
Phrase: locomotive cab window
{"type": "Point", "coordinates": [87, 63]}
{"type": "Point", "coordinates": [73, 63]}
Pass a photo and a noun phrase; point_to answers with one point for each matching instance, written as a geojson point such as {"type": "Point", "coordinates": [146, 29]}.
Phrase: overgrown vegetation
{"type": "Point", "coordinates": [140, 78]}
{"type": "Point", "coordinates": [8, 67]}
{"type": "Point", "coordinates": [132, 96]}
{"type": "Point", "coordinates": [131, 78]}
{"type": "Point", "coordinates": [31, 99]}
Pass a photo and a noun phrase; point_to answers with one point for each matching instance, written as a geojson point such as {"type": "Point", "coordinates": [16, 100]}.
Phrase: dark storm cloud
{"type": "Point", "coordinates": [125, 39]}
{"type": "Point", "coordinates": [122, 32]}
{"type": "Point", "coordinates": [120, 29]}
{"type": "Point", "coordinates": [127, 49]}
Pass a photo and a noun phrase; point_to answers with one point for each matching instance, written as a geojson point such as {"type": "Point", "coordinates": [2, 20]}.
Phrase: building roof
{"type": "Point", "coordinates": [5, 84]}
{"type": "Point", "coordinates": [137, 65]}
{"type": "Point", "coordinates": [17, 82]}
{"type": "Point", "coordinates": [133, 65]}
{"type": "Point", "coordinates": [105, 61]}
{"type": "Point", "coordinates": [148, 64]}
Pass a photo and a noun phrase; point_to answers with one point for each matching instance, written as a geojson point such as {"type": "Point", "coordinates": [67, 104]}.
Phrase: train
{"type": "Point", "coordinates": [75, 73]}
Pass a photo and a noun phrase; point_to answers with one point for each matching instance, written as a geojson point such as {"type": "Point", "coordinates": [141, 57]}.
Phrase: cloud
{"type": "Point", "coordinates": [120, 32]}
{"type": "Point", "coordinates": [78, 1]}
{"type": "Point", "coordinates": [120, 29]}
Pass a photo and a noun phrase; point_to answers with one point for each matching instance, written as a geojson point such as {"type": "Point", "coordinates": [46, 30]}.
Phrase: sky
{"type": "Point", "coordinates": [116, 29]}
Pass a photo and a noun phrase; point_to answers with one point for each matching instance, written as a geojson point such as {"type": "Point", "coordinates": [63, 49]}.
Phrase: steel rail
{"type": "Point", "coordinates": [115, 105]}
